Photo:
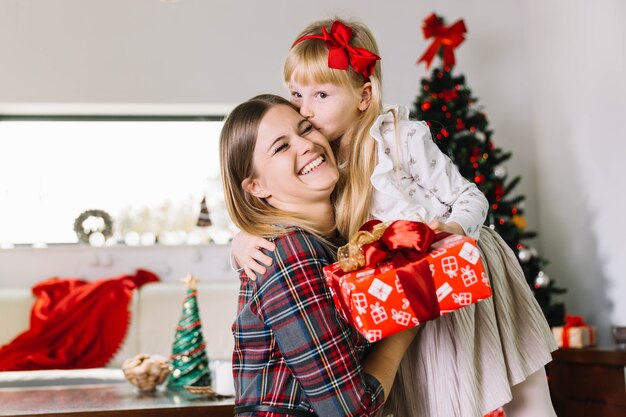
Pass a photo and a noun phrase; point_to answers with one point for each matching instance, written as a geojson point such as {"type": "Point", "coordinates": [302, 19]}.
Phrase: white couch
{"type": "Point", "coordinates": [155, 311]}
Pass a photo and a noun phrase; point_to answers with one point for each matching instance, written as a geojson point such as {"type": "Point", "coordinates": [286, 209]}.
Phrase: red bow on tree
{"type": "Point", "coordinates": [448, 37]}
{"type": "Point", "coordinates": [341, 54]}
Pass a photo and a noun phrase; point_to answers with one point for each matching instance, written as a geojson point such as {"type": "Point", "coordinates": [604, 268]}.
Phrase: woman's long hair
{"type": "Point", "coordinates": [237, 141]}
{"type": "Point", "coordinates": [307, 62]}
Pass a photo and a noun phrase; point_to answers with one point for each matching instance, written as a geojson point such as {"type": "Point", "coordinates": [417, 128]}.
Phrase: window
{"type": "Point", "coordinates": [149, 174]}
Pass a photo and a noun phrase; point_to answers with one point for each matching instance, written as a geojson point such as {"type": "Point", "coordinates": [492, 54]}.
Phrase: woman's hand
{"type": "Point", "coordinates": [450, 227]}
{"type": "Point", "coordinates": [246, 253]}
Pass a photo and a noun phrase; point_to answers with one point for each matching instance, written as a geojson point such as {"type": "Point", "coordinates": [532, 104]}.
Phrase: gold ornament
{"type": "Point", "coordinates": [519, 221]}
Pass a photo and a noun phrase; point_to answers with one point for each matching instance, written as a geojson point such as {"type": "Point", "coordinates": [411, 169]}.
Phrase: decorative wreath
{"type": "Point", "coordinates": [83, 231]}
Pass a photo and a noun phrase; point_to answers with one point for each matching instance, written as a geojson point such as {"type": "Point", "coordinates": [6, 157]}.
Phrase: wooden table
{"type": "Point", "coordinates": [588, 382]}
{"type": "Point", "coordinates": [107, 400]}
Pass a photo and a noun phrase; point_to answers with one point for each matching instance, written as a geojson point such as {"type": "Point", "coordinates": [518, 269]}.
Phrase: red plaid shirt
{"type": "Point", "coordinates": [291, 347]}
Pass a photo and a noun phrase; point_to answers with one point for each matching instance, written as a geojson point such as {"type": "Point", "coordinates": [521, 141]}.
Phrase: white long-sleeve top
{"type": "Point", "coordinates": [414, 180]}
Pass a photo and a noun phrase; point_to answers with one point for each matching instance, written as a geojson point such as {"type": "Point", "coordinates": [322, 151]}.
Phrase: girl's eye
{"type": "Point", "coordinates": [282, 147]}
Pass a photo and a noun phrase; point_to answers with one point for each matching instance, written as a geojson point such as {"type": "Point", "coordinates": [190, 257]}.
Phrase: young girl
{"type": "Point", "coordinates": [293, 355]}
{"type": "Point", "coordinates": [466, 363]}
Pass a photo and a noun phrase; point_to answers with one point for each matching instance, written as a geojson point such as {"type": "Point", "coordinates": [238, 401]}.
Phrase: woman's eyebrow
{"type": "Point", "coordinates": [278, 139]}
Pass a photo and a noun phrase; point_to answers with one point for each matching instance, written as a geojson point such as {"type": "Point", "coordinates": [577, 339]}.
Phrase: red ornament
{"type": "Point", "coordinates": [449, 95]}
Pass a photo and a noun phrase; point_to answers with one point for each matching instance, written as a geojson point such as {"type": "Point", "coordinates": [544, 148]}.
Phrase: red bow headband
{"type": "Point", "coordinates": [341, 54]}
{"type": "Point", "coordinates": [446, 37]}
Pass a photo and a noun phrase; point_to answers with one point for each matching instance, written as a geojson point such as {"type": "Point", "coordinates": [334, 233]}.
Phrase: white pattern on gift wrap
{"type": "Point", "coordinates": [468, 275]}
{"type": "Point", "coordinates": [463, 299]}
{"type": "Point", "coordinates": [450, 266]}
{"type": "Point", "coordinates": [484, 279]}
{"type": "Point", "coordinates": [365, 273]}
{"type": "Point", "coordinates": [401, 317]}
{"type": "Point", "coordinates": [346, 288]}
{"type": "Point", "coordinates": [399, 285]}
{"type": "Point", "coordinates": [443, 291]}
{"type": "Point", "coordinates": [374, 335]}
{"type": "Point", "coordinates": [359, 301]}
{"type": "Point", "coordinates": [380, 289]}
{"type": "Point", "coordinates": [378, 313]}
{"type": "Point", "coordinates": [470, 253]}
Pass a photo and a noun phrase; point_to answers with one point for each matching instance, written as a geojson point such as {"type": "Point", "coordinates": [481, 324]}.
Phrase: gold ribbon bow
{"type": "Point", "coordinates": [350, 256]}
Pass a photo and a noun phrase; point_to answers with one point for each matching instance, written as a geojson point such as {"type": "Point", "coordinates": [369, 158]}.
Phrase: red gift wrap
{"type": "Point", "coordinates": [405, 276]}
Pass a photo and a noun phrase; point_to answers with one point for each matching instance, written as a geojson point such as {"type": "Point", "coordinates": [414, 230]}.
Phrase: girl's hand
{"type": "Point", "coordinates": [450, 227]}
{"type": "Point", "coordinates": [245, 250]}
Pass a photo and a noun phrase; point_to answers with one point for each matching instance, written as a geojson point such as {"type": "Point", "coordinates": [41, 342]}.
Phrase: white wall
{"type": "Point", "coordinates": [517, 57]}
{"type": "Point", "coordinates": [578, 67]}
{"type": "Point", "coordinates": [225, 51]}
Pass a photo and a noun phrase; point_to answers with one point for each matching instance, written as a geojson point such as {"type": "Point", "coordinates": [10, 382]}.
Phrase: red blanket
{"type": "Point", "coordinates": [74, 323]}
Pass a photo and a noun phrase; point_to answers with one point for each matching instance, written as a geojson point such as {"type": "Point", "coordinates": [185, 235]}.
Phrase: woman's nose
{"type": "Point", "coordinates": [304, 145]}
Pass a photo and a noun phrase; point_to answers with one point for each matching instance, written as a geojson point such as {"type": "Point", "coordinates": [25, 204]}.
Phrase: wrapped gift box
{"type": "Point", "coordinates": [374, 301]}
{"type": "Point", "coordinates": [575, 334]}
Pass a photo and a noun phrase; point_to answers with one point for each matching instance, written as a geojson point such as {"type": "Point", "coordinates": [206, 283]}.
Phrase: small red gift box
{"type": "Point", "coordinates": [404, 279]}
{"type": "Point", "coordinates": [575, 333]}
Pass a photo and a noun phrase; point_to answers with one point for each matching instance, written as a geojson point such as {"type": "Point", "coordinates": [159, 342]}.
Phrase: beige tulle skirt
{"type": "Point", "coordinates": [465, 363]}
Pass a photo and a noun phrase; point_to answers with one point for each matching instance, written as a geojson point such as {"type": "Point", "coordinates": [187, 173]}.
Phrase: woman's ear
{"type": "Point", "coordinates": [254, 187]}
{"type": "Point", "coordinates": [366, 96]}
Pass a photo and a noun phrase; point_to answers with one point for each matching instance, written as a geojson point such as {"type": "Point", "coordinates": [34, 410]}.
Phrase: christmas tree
{"type": "Point", "coordinates": [461, 130]}
{"type": "Point", "coordinates": [189, 364]}
{"type": "Point", "coordinates": [204, 220]}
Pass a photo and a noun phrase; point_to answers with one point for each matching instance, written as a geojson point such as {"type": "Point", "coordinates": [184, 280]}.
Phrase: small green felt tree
{"type": "Point", "coordinates": [189, 364]}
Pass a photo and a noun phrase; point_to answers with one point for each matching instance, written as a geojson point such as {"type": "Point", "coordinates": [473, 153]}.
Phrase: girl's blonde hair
{"type": "Point", "coordinates": [307, 62]}
{"type": "Point", "coordinates": [237, 141]}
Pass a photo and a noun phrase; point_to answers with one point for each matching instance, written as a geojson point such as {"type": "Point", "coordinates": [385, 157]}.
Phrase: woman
{"type": "Point", "coordinates": [293, 355]}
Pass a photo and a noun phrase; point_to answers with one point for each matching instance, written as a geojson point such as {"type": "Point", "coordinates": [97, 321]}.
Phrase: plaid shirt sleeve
{"type": "Point", "coordinates": [295, 303]}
